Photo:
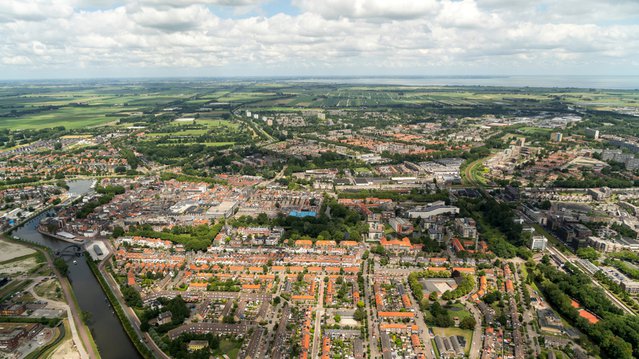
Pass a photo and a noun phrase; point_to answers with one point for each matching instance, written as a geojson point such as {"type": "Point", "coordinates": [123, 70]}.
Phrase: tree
{"type": "Point", "coordinates": [545, 204]}
{"type": "Point", "coordinates": [502, 319]}
{"type": "Point", "coordinates": [379, 249]}
{"type": "Point", "coordinates": [131, 296]}
{"type": "Point", "coordinates": [86, 317]}
{"type": "Point", "coordinates": [61, 266]}
{"type": "Point", "coordinates": [214, 342]}
{"type": "Point", "coordinates": [491, 297]}
{"type": "Point", "coordinates": [118, 232]}
{"type": "Point", "coordinates": [588, 253]}
{"type": "Point", "coordinates": [468, 323]}
{"type": "Point", "coordinates": [441, 318]}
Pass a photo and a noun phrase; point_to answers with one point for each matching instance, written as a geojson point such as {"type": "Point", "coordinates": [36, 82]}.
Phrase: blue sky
{"type": "Point", "coordinates": [115, 38]}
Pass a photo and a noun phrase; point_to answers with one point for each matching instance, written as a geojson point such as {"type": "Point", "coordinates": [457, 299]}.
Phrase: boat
{"type": "Point", "coordinates": [75, 262]}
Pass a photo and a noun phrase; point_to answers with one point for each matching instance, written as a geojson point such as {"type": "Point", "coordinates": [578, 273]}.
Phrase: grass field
{"type": "Point", "coordinates": [474, 172]}
{"type": "Point", "coordinates": [177, 133]}
{"type": "Point", "coordinates": [49, 289]}
{"type": "Point", "coordinates": [76, 106]}
{"type": "Point", "coordinates": [229, 347]}
{"type": "Point", "coordinates": [69, 117]}
{"type": "Point", "coordinates": [210, 144]}
{"type": "Point", "coordinates": [79, 105]}
{"type": "Point", "coordinates": [210, 122]}
{"type": "Point", "coordinates": [458, 310]}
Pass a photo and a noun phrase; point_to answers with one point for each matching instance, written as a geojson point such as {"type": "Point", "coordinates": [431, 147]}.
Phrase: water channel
{"type": "Point", "coordinates": [108, 333]}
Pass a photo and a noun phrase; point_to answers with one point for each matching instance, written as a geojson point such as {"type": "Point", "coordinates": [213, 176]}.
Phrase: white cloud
{"type": "Point", "coordinates": [160, 3]}
{"type": "Point", "coordinates": [465, 13]}
{"type": "Point", "coordinates": [331, 35]}
{"type": "Point", "coordinates": [395, 9]}
{"type": "Point", "coordinates": [175, 19]}
{"type": "Point", "coordinates": [37, 10]}
{"type": "Point", "coordinates": [16, 60]}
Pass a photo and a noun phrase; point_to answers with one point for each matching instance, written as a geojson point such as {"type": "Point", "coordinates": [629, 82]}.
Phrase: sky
{"type": "Point", "coordinates": [217, 38]}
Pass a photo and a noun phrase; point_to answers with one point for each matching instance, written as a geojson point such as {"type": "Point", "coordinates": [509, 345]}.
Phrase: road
{"type": "Point", "coordinates": [469, 177]}
{"type": "Point", "coordinates": [130, 314]}
{"type": "Point", "coordinates": [370, 314]}
{"type": "Point", "coordinates": [257, 128]}
{"type": "Point", "coordinates": [476, 345]}
{"type": "Point", "coordinates": [372, 337]}
{"type": "Point", "coordinates": [67, 308]}
{"type": "Point", "coordinates": [319, 313]}
{"type": "Point", "coordinates": [425, 337]}
{"type": "Point", "coordinates": [528, 317]}
{"type": "Point", "coordinates": [267, 183]}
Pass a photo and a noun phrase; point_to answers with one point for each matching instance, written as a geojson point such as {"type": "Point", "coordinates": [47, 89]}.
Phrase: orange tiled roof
{"type": "Point", "coordinates": [396, 314]}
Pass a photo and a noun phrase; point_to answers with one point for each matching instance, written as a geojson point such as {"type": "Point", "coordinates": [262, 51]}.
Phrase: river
{"type": "Point", "coordinates": [110, 337]}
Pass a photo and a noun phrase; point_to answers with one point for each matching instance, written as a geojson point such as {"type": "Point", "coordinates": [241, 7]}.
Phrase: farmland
{"type": "Point", "coordinates": [89, 104]}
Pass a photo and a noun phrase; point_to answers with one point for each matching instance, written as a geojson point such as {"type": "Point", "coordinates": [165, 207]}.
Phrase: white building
{"type": "Point", "coordinates": [432, 210]}
{"type": "Point", "coordinates": [222, 210]}
{"type": "Point", "coordinates": [538, 243]}
{"type": "Point", "coordinates": [594, 134]}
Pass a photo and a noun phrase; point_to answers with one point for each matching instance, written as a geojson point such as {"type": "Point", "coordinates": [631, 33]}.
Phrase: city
{"type": "Point", "coordinates": [238, 230]}
{"type": "Point", "coordinates": [319, 179]}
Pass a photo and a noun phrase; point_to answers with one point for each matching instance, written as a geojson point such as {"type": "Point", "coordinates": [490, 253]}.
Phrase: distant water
{"type": "Point", "coordinates": [595, 82]}
{"type": "Point", "coordinates": [626, 82]}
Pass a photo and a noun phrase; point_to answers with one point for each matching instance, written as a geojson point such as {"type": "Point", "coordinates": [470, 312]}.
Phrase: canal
{"type": "Point", "coordinates": [109, 336]}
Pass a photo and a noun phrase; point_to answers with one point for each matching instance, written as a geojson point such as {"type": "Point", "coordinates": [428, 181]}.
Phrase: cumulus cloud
{"type": "Point", "coordinates": [396, 9]}
{"type": "Point", "coordinates": [162, 3]}
{"type": "Point", "coordinates": [174, 20]}
{"type": "Point", "coordinates": [325, 36]}
{"type": "Point", "coordinates": [16, 10]}
{"type": "Point", "coordinates": [16, 60]}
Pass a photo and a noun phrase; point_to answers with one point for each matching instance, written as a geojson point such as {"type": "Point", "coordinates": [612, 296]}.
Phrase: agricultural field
{"type": "Point", "coordinates": [85, 105]}
{"type": "Point", "coordinates": [76, 106]}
